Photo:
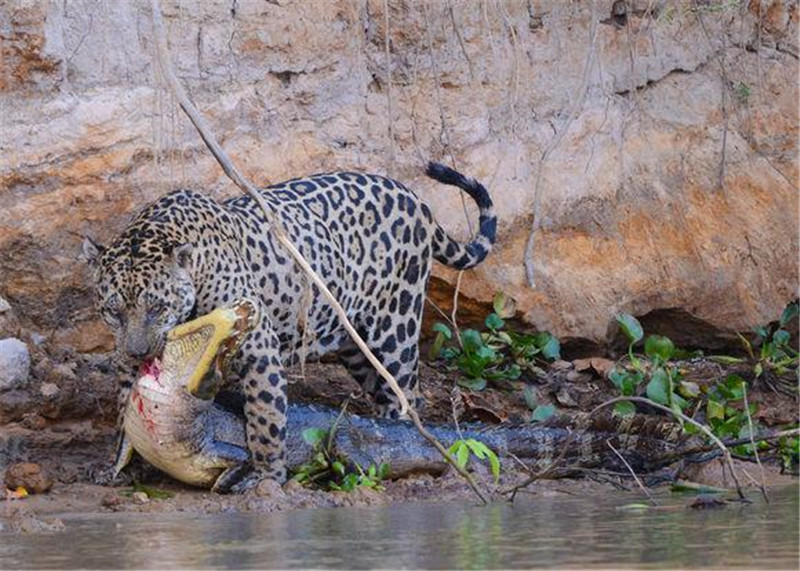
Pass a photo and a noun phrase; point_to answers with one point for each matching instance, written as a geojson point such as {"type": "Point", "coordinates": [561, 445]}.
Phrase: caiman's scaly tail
{"type": "Point", "coordinates": [445, 249]}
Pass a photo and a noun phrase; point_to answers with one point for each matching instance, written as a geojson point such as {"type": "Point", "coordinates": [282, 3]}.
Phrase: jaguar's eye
{"type": "Point", "coordinates": [113, 316]}
{"type": "Point", "coordinates": [158, 309]}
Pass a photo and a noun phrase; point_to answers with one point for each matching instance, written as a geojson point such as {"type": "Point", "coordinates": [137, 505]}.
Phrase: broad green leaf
{"type": "Point", "coordinates": [504, 305]}
{"type": "Point", "coordinates": [552, 348]}
{"type": "Point", "coordinates": [630, 382]}
{"type": "Point", "coordinates": [658, 387]}
{"type": "Point", "coordinates": [494, 463]}
{"type": "Point", "coordinates": [494, 321]}
{"type": "Point", "coordinates": [462, 455]}
{"type": "Point", "coordinates": [486, 353]}
{"type": "Point", "coordinates": [781, 337]}
{"type": "Point", "coordinates": [680, 402]}
{"type": "Point", "coordinates": [733, 387]}
{"type": "Point", "coordinates": [478, 448]}
{"type": "Point", "coordinates": [689, 389]}
{"type": "Point", "coordinates": [624, 409]}
{"type": "Point", "coordinates": [789, 314]}
{"type": "Point", "coordinates": [715, 410]}
{"type": "Point", "coordinates": [658, 345]}
{"type": "Point", "coordinates": [440, 327]}
{"type": "Point", "coordinates": [471, 340]}
{"type": "Point", "coordinates": [631, 327]}
{"type": "Point", "coordinates": [543, 412]}
{"type": "Point", "coordinates": [472, 384]}
{"type": "Point", "coordinates": [383, 470]}
{"type": "Point", "coordinates": [314, 436]}
{"type": "Point", "coordinates": [617, 376]}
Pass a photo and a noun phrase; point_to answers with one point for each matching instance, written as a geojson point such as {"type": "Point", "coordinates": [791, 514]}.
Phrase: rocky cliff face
{"type": "Point", "coordinates": [650, 146]}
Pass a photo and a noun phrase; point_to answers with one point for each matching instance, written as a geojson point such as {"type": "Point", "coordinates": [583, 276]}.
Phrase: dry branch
{"type": "Point", "coordinates": [280, 233]}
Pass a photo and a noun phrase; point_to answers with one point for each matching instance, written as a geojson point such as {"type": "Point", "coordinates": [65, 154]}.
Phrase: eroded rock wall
{"type": "Point", "coordinates": [656, 142]}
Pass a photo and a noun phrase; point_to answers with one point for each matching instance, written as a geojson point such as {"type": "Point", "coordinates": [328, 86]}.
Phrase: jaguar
{"type": "Point", "coordinates": [369, 237]}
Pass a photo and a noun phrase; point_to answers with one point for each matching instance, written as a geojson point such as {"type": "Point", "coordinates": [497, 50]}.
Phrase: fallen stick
{"type": "Point", "coordinates": [206, 134]}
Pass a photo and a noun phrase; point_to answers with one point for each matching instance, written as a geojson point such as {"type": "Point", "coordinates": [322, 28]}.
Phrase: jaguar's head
{"type": "Point", "coordinates": [143, 288]}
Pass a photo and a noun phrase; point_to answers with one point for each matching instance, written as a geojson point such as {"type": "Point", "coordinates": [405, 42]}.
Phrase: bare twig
{"type": "Point", "coordinates": [455, 308]}
{"type": "Point", "coordinates": [762, 485]}
{"type": "Point", "coordinates": [280, 234]}
{"type": "Point", "coordinates": [647, 493]}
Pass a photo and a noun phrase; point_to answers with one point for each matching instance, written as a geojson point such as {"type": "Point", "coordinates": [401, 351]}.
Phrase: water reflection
{"type": "Point", "coordinates": [539, 532]}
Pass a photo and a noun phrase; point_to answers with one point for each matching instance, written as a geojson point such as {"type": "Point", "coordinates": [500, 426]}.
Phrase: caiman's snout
{"type": "Point", "coordinates": [217, 338]}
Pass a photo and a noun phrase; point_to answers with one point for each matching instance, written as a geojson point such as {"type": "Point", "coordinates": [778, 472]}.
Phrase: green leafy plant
{"type": "Point", "coordinates": [330, 470]}
{"type": "Point", "coordinates": [539, 412]}
{"type": "Point", "coordinates": [664, 384]}
{"type": "Point", "coordinates": [725, 413]}
{"type": "Point", "coordinates": [461, 450]}
{"type": "Point", "coordinates": [495, 355]}
{"type": "Point", "coordinates": [351, 481]}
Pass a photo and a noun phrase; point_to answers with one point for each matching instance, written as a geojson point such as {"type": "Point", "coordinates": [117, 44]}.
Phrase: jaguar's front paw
{"type": "Point", "coordinates": [253, 482]}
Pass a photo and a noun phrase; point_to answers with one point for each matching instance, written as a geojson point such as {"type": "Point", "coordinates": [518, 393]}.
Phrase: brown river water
{"type": "Point", "coordinates": [561, 531]}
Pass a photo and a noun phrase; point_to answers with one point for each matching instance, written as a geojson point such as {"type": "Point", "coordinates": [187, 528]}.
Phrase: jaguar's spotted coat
{"type": "Point", "coordinates": [369, 237]}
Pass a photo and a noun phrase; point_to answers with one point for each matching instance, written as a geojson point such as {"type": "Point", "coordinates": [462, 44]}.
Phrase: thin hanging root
{"type": "Point", "coordinates": [160, 40]}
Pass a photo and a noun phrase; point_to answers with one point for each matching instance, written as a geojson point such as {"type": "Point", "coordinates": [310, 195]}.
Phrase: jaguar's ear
{"type": "Point", "coordinates": [91, 251]}
{"type": "Point", "coordinates": [183, 255]}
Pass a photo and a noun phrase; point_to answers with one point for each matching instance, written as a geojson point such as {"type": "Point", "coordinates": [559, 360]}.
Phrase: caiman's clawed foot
{"type": "Point", "coordinates": [108, 476]}
{"type": "Point", "coordinates": [136, 471]}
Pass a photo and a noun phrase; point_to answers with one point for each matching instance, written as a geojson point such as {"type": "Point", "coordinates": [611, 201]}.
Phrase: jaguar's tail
{"type": "Point", "coordinates": [445, 249]}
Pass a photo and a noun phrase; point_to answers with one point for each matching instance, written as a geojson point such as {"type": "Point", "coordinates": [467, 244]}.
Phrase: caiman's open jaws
{"type": "Point", "coordinates": [210, 340]}
{"type": "Point", "coordinates": [161, 406]}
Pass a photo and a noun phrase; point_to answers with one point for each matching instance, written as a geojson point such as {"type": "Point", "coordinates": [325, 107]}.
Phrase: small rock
{"type": "Point", "coordinates": [38, 339]}
{"type": "Point", "coordinates": [4, 305]}
{"type": "Point", "coordinates": [560, 365]}
{"type": "Point", "coordinates": [565, 399]}
{"type": "Point", "coordinates": [29, 476]}
{"type": "Point", "coordinates": [15, 364]}
{"type": "Point", "coordinates": [576, 377]}
{"type": "Point", "coordinates": [292, 487]}
{"type": "Point", "coordinates": [112, 499]}
{"type": "Point", "coordinates": [49, 390]}
{"type": "Point", "coordinates": [269, 489]}
{"type": "Point", "coordinates": [140, 498]}
{"type": "Point", "coordinates": [33, 421]}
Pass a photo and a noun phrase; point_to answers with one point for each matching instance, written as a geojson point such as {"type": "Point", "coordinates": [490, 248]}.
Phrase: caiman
{"type": "Point", "coordinates": [174, 423]}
